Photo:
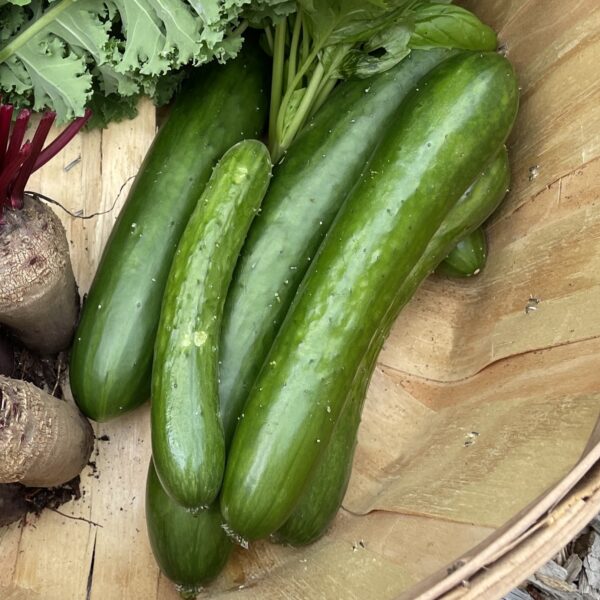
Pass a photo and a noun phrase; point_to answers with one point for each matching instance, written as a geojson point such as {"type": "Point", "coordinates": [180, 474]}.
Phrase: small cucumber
{"type": "Point", "coordinates": [191, 549]}
{"type": "Point", "coordinates": [321, 500]}
{"type": "Point", "coordinates": [308, 188]}
{"type": "Point", "coordinates": [467, 258]}
{"type": "Point", "coordinates": [187, 434]}
{"type": "Point", "coordinates": [445, 133]}
{"type": "Point", "coordinates": [111, 360]}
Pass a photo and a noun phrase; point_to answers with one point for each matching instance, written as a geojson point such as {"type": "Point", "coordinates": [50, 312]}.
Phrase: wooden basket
{"type": "Point", "coordinates": [478, 449]}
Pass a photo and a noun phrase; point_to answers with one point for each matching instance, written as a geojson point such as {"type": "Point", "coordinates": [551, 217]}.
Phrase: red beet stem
{"type": "Point", "coordinates": [18, 133]}
{"type": "Point", "coordinates": [17, 160]}
{"type": "Point", "coordinates": [9, 172]}
{"type": "Point", "coordinates": [6, 112]}
{"type": "Point", "coordinates": [61, 140]}
{"type": "Point", "coordinates": [41, 133]}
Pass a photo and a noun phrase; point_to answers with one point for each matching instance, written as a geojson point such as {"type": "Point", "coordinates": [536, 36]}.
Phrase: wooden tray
{"type": "Point", "coordinates": [477, 454]}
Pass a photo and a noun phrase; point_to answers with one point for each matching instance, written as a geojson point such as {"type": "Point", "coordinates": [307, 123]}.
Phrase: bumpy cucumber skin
{"type": "Point", "coordinates": [323, 496]}
{"type": "Point", "coordinates": [188, 444]}
{"type": "Point", "coordinates": [307, 190]}
{"type": "Point", "coordinates": [467, 258]}
{"type": "Point", "coordinates": [191, 549]}
{"type": "Point", "coordinates": [111, 359]}
{"type": "Point", "coordinates": [445, 134]}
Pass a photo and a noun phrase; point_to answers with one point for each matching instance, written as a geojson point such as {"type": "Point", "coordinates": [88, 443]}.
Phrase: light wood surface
{"type": "Point", "coordinates": [477, 410]}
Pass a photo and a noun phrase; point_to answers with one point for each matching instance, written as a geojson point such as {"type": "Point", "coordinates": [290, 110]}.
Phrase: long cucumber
{"type": "Point", "coordinates": [445, 134]}
{"type": "Point", "coordinates": [111, 359]}
{"type": "Point", "coordinates": [190, 548]}
{"type": "Point", "coordinates": [188, 444]}
{"type": "Point", "coordinates": [307, 190]}
{"type": "Point", "coordinates": [323, 496]}
{"type": "Point", "coordinates": [467, 258]}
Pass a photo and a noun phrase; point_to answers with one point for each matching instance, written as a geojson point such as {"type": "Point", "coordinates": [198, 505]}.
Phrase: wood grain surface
{"type": "Point", "coordinates": [478, 406]}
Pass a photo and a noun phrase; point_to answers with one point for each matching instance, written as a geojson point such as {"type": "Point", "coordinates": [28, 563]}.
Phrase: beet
{"type": "Point", "coordinates": [44, 441]}
{"type": "Point", "coordinates": [38, 295]}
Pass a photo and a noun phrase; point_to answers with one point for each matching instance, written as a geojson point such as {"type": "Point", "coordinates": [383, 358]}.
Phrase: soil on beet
{"type": "Point", "coordinates": [46, 373]}
{"type": "Point", "coordinates": [17, 500]}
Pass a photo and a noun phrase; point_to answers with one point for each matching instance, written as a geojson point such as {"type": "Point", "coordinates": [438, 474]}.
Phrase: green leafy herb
{"type": "Point", "coordinates": [451, 27]}
{"type": "Point", "coordinates": [66, 54]}
{"type": "Point", "coordinates": [331, 39]}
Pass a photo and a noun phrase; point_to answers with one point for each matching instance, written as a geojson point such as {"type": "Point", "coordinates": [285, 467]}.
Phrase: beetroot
{"type": "Point", "coordinates": [38, 295]}
{"type": "Point", "coordinates": [44, 441]}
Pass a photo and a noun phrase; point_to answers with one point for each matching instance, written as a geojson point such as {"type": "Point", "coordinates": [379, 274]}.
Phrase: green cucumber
{"type": "Point", "coordinates": [321, 500]}
{"type": "Point", "coordinates": [445, 134]}
{"type": "Point", "coordinates": [322, 497]}
{"type": "Point", "coordinates": [307, 190]}
{"type": "Point", "coordinates": [191, 549]}
{"type": "Point", "coordinates": [111, 359]}
{"type": "Point", "coordinates": [467, 258]}
{"type": "Point", "coordinates": [188, 444]}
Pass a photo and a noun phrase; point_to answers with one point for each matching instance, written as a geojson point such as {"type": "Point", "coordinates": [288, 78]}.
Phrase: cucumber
{"type": "Point", "coordinates": [111, 359]}
{"type": "Point", "coordinates": [307, 190]}
{"type": "Point", "coordinates": [445, 134]}
{"type": "Point", "coordinates": [187, 435]}
{"type": "Point", "coordinates": [467, 258]}
{"type": "Point", "coordinates": [323, 496]}
{"type": "Point", "coordinates": [191, 549]}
